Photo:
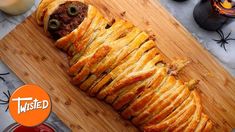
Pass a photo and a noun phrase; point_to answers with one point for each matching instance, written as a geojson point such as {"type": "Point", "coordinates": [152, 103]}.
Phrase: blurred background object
{"type": "Point", "coordinates": [15, 7]}
{"type": "Point", "coordinates": [44, 127]}
{"type": "Point", "coordinates": [180, 0]}
{"type": "Point", "coordinates": [213, 14]}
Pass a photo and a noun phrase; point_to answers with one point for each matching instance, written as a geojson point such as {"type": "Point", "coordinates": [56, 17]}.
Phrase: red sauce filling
{"type": "Point", "coordinates": [39, 128]}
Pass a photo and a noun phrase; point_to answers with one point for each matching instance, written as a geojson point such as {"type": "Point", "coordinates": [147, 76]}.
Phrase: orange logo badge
{"type": "Point", "coordinates": [30, 105]}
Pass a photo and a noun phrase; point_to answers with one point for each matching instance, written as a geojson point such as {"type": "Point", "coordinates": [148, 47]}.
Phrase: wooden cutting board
{"type": "Point", "coordinates": [33, 57]}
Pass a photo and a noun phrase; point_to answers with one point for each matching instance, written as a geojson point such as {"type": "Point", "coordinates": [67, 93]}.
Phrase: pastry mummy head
{"type": "Point", "coordinates": [67, 17]}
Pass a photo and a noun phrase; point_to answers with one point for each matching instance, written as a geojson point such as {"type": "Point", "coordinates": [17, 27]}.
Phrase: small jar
{"type": "Point", "coordinates": [15, 7]}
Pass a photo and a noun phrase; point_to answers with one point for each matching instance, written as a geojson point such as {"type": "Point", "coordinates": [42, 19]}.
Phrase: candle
{"type": "Point", "coordinates": [15, 7]}
{"type": "Point", "coordinates": [226, 4]}
{"type": "Point", "coordinates": [224, 7]}
{"type": "Point", "coordinates": [213, 14]}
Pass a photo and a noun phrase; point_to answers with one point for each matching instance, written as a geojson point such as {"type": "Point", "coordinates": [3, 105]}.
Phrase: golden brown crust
{"type": "Point", "coordinates": [116, 48]}
{"type": "Point", "coordinates": [139, 106]}
{"type": "Point", "coordinates": [145, 97]}
{"type": "Point", "coordinates": [177, 116]}
{"type": "Point", "coordinates": [186, 115]}
{"type": "Point", "coordinates": [41, 10]}
{"type": "Point", "coordinates": [97, 25]}
{"type": "Point", "coordinates": [125, 53]}
{"type": "Point", "coordinates": [202, 123]}
{"type": "Point", "coordinates": [121, 96]}
{"type": "Point", "coordinates": [102, 65]}
{"type": "Point", "coordinates": [131, 79]}
{"type": "Point", "coordinates": [169, 109]}
{"type": "Point", "coordinates": [64, 42]}
{"type": "Point", "coordinates": [197, 114]}
{"type": "Point", "coordinates": [78, 32]}
{"type": "Point", "coordinates": [132, 92]}
{"type": "Point", "coordinates": [183, 126]}
{"type": "Point", "coordinates": [155, 104]}
{"type": "Point", "coordinates": [102, 82]}
{"type": "Point", "coordinates": [140, 39]}
{"type": "Point", "coordinates": [143, 60]}
{"type": "Point", "coordinates": [100, 54]}
{"type": "Point", "coordinates": [177, 66]}
{"type": "Point", "coordinates": [120, 64]}
{"type": "Point", "coordinates": [109, 35]}
{"type": "Point", "coordinates": [120, 69]}
{"type": "Point", "coordinates": [88, 54]}
{"type": "Point", "coordinates": [208, 126]}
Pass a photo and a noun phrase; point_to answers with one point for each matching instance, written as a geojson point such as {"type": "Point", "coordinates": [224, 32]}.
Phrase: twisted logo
{"type": "Point", "coordinates": [30, 105]}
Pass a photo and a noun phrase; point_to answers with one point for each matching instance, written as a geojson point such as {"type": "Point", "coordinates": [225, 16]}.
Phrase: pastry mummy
{"type": "Point", "coordinates": [120, 64]}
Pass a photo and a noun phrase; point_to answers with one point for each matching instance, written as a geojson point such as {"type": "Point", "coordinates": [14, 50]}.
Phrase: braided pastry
{"type": "Point", "coordinates": [120, 64]}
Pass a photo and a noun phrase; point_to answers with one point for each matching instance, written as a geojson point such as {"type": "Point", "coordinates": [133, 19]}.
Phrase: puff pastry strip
{"type": "Point", "coordinates": [102, 65]}
{"type": "Point", "coordinates": [176, 117]}
{"type": "Point", "coordinates": [202, 123]}
{"type": "Point", "coordinates": [119, 69]}
{"type": "Point", "coordinates": [123, 54]}
{"type": "Point", "coordinates": [87, 55]}
{"type": "Point", "coordinates": [98, 23]}
{"type": "Point", "coordinates": [143, 60]}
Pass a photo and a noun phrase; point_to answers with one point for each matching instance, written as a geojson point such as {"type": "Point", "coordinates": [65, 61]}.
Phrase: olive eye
{"type": "Point", "coordinates": [54, 24]}
{"type": "Point", "coordinates": [72, 10]}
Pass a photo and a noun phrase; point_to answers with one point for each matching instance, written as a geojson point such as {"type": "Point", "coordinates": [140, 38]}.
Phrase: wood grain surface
{"type": "Point", "coordinates": [33, 57]}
